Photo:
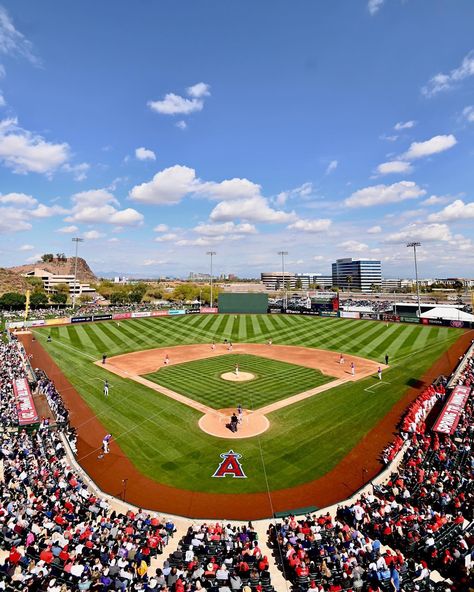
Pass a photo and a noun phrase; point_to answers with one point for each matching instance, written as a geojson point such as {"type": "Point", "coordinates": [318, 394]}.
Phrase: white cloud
{"type": "Point", "coordinates": [318, 225]}
{"type": "Point", "coordinates": [68, 229]}
{"type": "Point", "coordinates": [176, 105]}
{"type": "Point", "coordinates": [182, 125]}
{"type": "Point", "coordinates": [225, 228]}
{"type": "Point", "coordinates": [383, 194]}
{"type": "Point", "coordinates": [374, 6]}
{"type": "Point", "coordinates": [26, 248]}
{"type": "Point", "coordinates": [25, 152]}
{"type": "Point", "coordinates": [201, 89]}
{"type": "Point", "coordinates": [201, 241]}
{"type": "Point", "coordinates": [374, 230]}
{"type": "Point", "coordinates": [420, 232]}
{"type": "Point", "coordinates": [434, 145]}
{"type": "Point", "coordinates": [255, 209]}
{"type": "Point", "coordinates": [302, 192]}
{"type": "Point", "coordinates": [318, 258]}
{"type": "Point", "coordinates": [148, 262]}
{"type": "Point", "coordinates": [167, 187]}
{"type": "Point", "coordinates": [2, 100]}
{"type": "Point", "coordinates": [166, 238]}
{"type": "Point", "coordinates": [228, 189]}
{"type": "Point", "coordinates": [394, 166]}
{"type": "Point", "coordinates": [79, 171]}
{"type": "Point", "coordinates": [393, 138]}
{"type": "Point", "coordinates": [354, 246]}
{"type": "Point", "coordinates": [468, 113]}
{"type": "Point", "coordinates": [34, 258]}
{"type": "Point", "coordinates": [144, 154]}
{"type": "Point", "coordinates": [442, 82]}
{"type": "Point", "coordinates": [14, 43]}
{"type": "Point", "coordinates": [42, 211]}
{"type": "Point", "coordinates": [98, 205]}
{"type": "Point", "coordinates": [19, 199]}
{"type": "Point", "coordinates": [93, 235]}
{"type": "Point", "coordinates": [434, 200]}
{"type": "Point", "coordinates": [161, 228]}
{"type": "Point", "coordinates": [332, 166]}
{"type": "Point", "coordinates": [127, 217]}
{"type": "Point", "coordinates": [401, 125]}
{"type": "Point", "coordinates": [13, 220]}
{"type": "Point", "coordinates": [458, 210]}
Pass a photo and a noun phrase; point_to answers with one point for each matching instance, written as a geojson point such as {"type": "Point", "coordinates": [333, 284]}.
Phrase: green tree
{"type": "Point", "coordinates": [137, 293]}
{"type": "Point", "coordinates": [59, 298]}
{"type": "Point", "coordinates": [38, 300]}
{"type": "Point", "coordinates": [47, 257]}
{"type": "Point", "coordinates": [349, 282]}
{"type": "Point", "coordinates": [62, 289]}
{"type": "Point", "coordinates": [35, 282]}
{"type": "Point", "coordinates": [299, 284]}
{"type": "Point", "coordinates": [458, 286]}
{"type": "Point", "coordinates": [85, 298]}
{"type": "Point", "coordinates": [13, 300]}
{"type": "Point", "coordinates": [106, 288]}
{"type": "Point", "coordinates": [118, 297]}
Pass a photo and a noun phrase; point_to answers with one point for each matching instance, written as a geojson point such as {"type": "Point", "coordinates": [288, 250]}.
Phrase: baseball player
{"type": "Point", "coordinates": [106, 443]}
{"type": "Point", "coordinates": [106, 388]}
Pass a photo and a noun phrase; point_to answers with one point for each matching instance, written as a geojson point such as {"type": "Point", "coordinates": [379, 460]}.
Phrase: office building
{"type": "Point", "coordinates": [361, 274]}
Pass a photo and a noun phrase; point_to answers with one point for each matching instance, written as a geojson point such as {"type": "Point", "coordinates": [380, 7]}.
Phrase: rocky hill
{"type": "Point", "coordinates": [60, 267]}
{"type": "Point", "coordinates": [11, 281]}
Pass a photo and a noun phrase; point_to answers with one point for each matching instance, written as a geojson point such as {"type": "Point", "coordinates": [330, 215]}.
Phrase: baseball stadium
{"type": "Point", "coordinates": [294, 462]}
{"type": "Point", "coordinates": [236, 296]}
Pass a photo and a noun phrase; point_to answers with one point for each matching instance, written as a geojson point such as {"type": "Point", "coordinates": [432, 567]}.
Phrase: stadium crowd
{"type": "Point", "coordinates": [11, 367]}
{"type": "Point", "coordinates": [219, 557]}
{"type": "Point", "coordinates": [393, 537]}
{"type": "Point", "coordinates": [373, 305]}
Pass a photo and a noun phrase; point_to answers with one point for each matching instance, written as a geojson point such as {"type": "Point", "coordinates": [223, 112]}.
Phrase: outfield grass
{"type": "Point", "coordinates": [201, 380]}
{"type": "Point", "coordinates": [304, 441]}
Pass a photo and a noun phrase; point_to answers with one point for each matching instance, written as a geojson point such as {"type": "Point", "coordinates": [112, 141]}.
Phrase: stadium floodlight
{"type": "Point", "coordinates": [285, 299]}
{"type": "Point", "coordinates": [211, 254]}
{"type": "Point", "coordinates": [77, 241]}
{"type": "Point", "coordinates": [414, 245]}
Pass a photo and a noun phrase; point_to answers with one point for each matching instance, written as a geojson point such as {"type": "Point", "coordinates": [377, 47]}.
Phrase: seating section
{"type": "Point", "coordinates": [217, 556]}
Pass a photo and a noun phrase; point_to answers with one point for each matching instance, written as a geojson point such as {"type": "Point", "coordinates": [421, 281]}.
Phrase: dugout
{"type": "Point", "coordinates": [243, 303]}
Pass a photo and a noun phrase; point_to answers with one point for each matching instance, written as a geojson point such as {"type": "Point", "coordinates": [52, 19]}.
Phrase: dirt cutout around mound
{"type": "Point", "coordinates": [240, 377]}
{"type": "Point", "coordinates": [358, 466]}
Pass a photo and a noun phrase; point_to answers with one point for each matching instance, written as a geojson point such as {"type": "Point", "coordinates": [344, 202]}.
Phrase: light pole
{"type": "Point", "coordinates": [414, 245]}
{"type": "Point", "coordinates": [284, 300]}
{"type": "Point", "coordinates": [211, 254]}
{"type": "Point", "coordinates": [77, 241]}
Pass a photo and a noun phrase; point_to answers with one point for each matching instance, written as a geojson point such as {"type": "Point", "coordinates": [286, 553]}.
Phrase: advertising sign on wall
{"type": "Point", "coordinates": [448, 419]}
{"type": "Point", "coordinates": [86, 319]}
{"type": "Point", "coordinates": [159, 313]}
{"type": "Point", "coordinates": [209, 310]}
{"type": "Point", "coordinates": [177, 312]}
{"type": "Point", "coordinates": [24, 402]}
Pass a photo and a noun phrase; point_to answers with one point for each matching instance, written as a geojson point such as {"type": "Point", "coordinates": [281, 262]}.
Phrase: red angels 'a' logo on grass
{"type": "Point", "coordinates": [230, 465]}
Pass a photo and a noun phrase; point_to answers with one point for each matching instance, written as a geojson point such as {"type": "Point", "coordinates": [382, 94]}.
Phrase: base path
{"type": "Point", "coordinates": [338, 484]}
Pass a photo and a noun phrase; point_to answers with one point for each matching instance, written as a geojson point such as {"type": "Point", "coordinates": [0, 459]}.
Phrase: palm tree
{"type": "Point", "coordinates": [349, 281]}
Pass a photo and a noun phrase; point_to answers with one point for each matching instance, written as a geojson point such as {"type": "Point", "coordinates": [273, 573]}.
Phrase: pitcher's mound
{"type": "Point", "coordinates": [240, 377]}
{"type": "Point", "coordinates": [217, 424]}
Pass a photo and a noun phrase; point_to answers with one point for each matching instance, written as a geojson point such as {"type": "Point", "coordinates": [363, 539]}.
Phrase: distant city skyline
{"type": "Point", "coordinates": [329, 129]}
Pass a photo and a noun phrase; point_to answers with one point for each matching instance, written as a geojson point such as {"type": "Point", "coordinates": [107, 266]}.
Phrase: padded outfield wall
{"type": "Point", "coordinates": [243, 303]}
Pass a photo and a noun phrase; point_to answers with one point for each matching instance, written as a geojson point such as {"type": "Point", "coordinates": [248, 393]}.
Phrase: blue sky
{"type": "Point", "coordinates": [160, 130]}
